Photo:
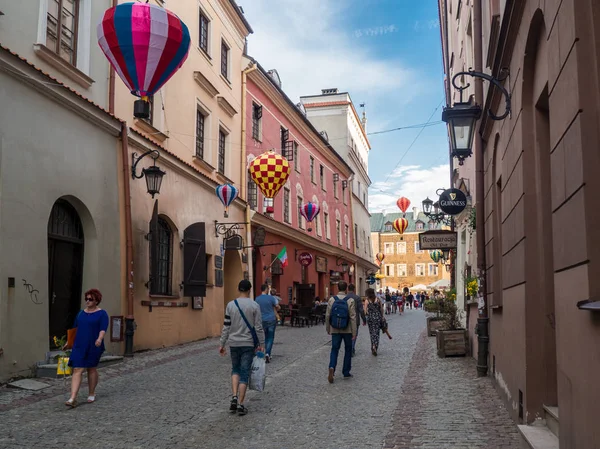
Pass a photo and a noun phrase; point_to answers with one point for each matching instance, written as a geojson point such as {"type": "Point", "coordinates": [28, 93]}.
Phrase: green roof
{"type": "Point", "coordinates": [379, 220]}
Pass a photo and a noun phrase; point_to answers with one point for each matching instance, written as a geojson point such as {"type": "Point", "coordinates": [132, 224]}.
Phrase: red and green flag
{"type": "Point", "coordinates": [282, 256]}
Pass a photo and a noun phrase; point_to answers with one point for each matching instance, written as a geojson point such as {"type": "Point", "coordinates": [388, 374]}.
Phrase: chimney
{"type": "Point", "coordinates": [333, 90]}
{"type": "Point", "coordinates": [415, 214]}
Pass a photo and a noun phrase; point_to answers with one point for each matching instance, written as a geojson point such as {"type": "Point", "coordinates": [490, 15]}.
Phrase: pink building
{"type": "Point", "coordinates": [318, 175]}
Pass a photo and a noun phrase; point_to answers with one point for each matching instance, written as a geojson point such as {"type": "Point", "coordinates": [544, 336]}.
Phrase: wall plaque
{"type": "Point", "coordinates": [321, 264]}
{"type": "Point", "coordinates": [218, 262]}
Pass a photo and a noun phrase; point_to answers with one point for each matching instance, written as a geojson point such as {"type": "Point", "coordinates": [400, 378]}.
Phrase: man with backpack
{"type": "Point", "coordinates": [340, 322]}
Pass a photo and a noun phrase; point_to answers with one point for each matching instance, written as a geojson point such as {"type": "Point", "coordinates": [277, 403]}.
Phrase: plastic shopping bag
{"type": "Point", "coordinates": [63, 368]}
{"type": "Point", "coordinates": [258, 372]}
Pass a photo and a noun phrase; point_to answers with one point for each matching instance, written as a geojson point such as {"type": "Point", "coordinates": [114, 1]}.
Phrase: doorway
{"type": "Point", "coordinates": [65, 267]}
{"type": "Point", "coordinates": [233, 274]}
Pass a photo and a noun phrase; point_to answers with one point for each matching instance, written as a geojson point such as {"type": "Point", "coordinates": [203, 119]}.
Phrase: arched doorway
{"type": "Point", "coordinates": [232, 274]}
{"type": "Point", "coordinates": [65, 267]}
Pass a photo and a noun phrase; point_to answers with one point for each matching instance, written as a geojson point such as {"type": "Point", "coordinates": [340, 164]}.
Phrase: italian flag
{"type": "Point", "coordinates": [282, 256]}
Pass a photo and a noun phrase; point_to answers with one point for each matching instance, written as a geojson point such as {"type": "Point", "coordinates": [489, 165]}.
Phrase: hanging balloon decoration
{"type": "Point", "coordinates": [146, 45]}
{"type": "Point", "coordinates": [269, 171]}
{"type": "Point", "coordinates": [403, 203]}
{"type": "Point", "coordinates": [309, 211]}
{"type": "Point", "coordinates": [380, 257]}
{"type": "Point", "coordinates": [226, 193]}
{"type": "Point", "coordinates": [400, 225]}
{"type": "Point", "coordinates": [436, 255]}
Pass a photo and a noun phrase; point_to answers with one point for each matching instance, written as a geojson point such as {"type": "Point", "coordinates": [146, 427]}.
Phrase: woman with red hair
{"type": "Point", "coordinates": [91, 324]}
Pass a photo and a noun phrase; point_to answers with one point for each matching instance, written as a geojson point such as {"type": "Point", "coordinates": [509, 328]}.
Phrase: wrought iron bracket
{"type": "Point", "coordinates": [135, 160]}
{"type": "Point", "coordinates": [227, 228]}
{"type": "Point", "coordinates": [495, 81]}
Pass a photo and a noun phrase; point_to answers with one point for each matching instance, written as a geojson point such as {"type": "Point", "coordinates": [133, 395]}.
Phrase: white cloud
{"type": "Point", "coordinates": [415, 183]}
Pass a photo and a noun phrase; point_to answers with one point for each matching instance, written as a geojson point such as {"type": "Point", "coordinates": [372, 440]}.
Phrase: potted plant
{"type": "Point", "coordinates": [435, 322]}
{"type": "Point", "coordinates": [452, 338]}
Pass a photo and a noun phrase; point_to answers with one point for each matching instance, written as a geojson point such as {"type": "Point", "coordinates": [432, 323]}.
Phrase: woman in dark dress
{"type": "Point", "coordinates": [374, 318]}
{"type": "Point", "coordinates": [91, 324]}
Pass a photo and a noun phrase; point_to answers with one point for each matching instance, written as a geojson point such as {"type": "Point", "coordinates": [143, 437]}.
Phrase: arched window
{"type": "Point", "coordinates": [161, 258]}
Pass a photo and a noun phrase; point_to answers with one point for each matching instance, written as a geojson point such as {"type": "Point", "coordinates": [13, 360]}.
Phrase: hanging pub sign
{"type": "Point", "coordinates": [453, 201]}
{"type": "Point", "coordinates": [437, 240]}
{"type": "Point", "coordinates": [305, 259]}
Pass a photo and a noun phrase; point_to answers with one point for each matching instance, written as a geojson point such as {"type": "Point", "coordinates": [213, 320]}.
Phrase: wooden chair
{"type": "Point", "coordinates": [302, 317]}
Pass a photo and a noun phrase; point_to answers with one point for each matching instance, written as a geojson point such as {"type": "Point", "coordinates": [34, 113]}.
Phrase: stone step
{"type": "Point", "coordinates": [49, 369]}
{"type": "Point", "coordinates": [539, 437]}
{"type": "Point", "coordinates": [551, 415]}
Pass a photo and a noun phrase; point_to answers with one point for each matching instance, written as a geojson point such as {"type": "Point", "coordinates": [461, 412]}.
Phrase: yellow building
{"type": "Point", "coordinates": [405, 264]}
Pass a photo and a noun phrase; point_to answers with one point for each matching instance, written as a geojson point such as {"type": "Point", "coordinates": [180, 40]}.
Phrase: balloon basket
{"type": "Point", "coordinates": [141, 109]}
{"type": "Point", "coordinates": [270, 209]}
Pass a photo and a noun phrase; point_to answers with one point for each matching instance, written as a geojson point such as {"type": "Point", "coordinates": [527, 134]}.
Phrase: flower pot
{"type": "Point", "coordinates": [433, 324]}
{"type": "Point", "coordinates": [452, 343]}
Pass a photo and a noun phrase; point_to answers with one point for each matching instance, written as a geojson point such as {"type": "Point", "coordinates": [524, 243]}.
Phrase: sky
{"type": "Point", "coordinates": [386, 54]}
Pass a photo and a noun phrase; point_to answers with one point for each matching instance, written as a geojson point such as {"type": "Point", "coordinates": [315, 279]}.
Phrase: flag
{"type": "Point", "coordinates": [282, 256]}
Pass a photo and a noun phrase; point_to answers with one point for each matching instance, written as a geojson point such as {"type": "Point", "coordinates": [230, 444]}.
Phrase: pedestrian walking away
{"type": "Point", "coordinates": [375, 318]}
{"type": "Point", "coordinates": [269, 305]}
{"type": "Point", "coordinates": [91, 324]}
{"type": "Point", "coordinates": [360, 313]}
{"type": "Point", "coordinates": [340, 322]}
{"type": "Point", "coordinates": [243, 329]}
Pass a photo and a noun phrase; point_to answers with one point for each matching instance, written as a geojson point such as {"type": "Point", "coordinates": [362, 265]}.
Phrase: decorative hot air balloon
{"type": "Point", "coordinates": [309, 211]}
{"type": "Point", "coordinates": [269, 171]}
{"type": "Point", "coordinates": [400, 225]}
{"type": "Point", "coordinates": [226, 193]}
{"type": "Point", "coordinates": [146, 45]}
{"type": "Point", "coordinates": [403, 204]}
{"type": "Point", "coordinates": [436, 255]}
{"type": "Point", "coordinates": [380, 257]}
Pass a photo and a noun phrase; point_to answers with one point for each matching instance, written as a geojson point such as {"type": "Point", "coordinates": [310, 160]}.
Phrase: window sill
{"type": "Point", "coordinates": [227, 82]}
{"type": "Point", "coordinates": [149, 129]}
{"type": "Point", "coordinates": [223, 179]}
{"type": "Point", "coordinates": [173, 304]}
{"type": "Point", "coordinates": [202, 163]}
{"type": "Point", "coordinates": [205, 54]}
{"type": "Point", "coordinates": [164, 297]}
{"type": "Point", "coordinates": [63, 66]}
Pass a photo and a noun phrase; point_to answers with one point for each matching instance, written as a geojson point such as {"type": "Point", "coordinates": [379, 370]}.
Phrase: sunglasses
{"type": "Point", "coordinates": [89, 299]}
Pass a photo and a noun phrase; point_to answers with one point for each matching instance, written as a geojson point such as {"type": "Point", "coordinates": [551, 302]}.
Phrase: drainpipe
{"type": "Point", "coordinates": [483, 318]}
{"type": "Point", "coordinates": [129, 319]}
{"type": "Point", "coordinates": [244, 178]}
{"type": "Point", "coordinates": [111, 79]}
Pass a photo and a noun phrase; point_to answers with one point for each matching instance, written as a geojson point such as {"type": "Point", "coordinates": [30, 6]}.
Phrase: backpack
{"type": "Point", "coordinates": [340, 314]}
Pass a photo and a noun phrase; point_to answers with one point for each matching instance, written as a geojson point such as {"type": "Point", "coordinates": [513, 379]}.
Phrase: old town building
{"type": "Point", "coordinates": [538, 233]}
{"type": "Point", "coordinates": [319, 175]}
{"type": "Point", "coordinates": [405, 264]}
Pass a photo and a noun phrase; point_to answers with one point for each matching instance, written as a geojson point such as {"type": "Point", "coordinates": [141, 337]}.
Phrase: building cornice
{"type": "Point", "coordinates": [236, 15]}
{"type": "Point", "coordinates": [360, 166]}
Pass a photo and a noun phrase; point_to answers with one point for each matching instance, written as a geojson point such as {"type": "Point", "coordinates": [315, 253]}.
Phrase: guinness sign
{"type": "Point", "coordinates": [452, 201]}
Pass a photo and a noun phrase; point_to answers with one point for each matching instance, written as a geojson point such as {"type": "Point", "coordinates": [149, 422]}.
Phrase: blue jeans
{"type": "Point", "coordinates": [269, 328]}
{"type": "Point", "coordinates": [336, 344]}
{"type": "Point", "coordinates": [241, 362]}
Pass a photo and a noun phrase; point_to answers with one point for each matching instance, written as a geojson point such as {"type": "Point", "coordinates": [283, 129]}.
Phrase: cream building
{"type": "Point", "coordinates": [183, 277]}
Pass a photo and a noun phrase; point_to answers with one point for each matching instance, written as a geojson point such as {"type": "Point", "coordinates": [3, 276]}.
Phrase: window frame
{"type": "Point", "coordinates": [422, 265]}
{"type": "Point", "coordinates": [202, 14]}
{"type": "Point", "coordinates": [401, 267]}
{"type": "Point", "coordinates": [201, 140]}
{"type": "Point", "coordinates": [59, 26]}
{"type": "Point", "coordinates": [223, 134]}
{"type": "Point", "coordinates": [417, 248]}
{"type": "Point", "coordinates": [225, 53]}
{"type": "Point", "coordinates": [257, 111]}
{"type": "Point", "coordinates": [155, 284]}
{"type": "Point", "coordinates": [356, 235]}
{"type": "Point", "coordinates": [347, 230]}
{"type": "Point", "coordinates": [430, 266]}
{"type": "Point", "coordinates": [338, 231]}
{"type": "Point", "coordinates": [322, 176]}
{"type": "Point", "coordinates": [387, 228]}
{"type": "Point", "coordinates": [252, 196]}
{"type": "Point", "coordinates": [389, 269]}
{"type": "Point", "coordinates": [400, 245]}
{"type": "Point", "coordinates": [312, 170]}
{"type": "Point", "coordinates": [296, 161]}
{"type": "Point", "coordinates": [326, 224]}
{"type": "Point", "coordinates": [419, 226]}
{"type": "Point", "coordinates": [301, 220]}
{"type": "Point", "coordinates": [286, 205]}
{"type": "Point", "coordinates": [389, 245]}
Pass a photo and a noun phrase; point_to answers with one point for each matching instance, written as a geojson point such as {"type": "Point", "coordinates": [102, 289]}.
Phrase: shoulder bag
{"type": "Point", "coordinates": [252, 329]}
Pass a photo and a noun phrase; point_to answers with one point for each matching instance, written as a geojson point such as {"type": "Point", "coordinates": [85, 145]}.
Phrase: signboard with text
{"type": "Point", "coordinates": [452, 201]}
{"type": "Point", "coordinates": [437, 240]}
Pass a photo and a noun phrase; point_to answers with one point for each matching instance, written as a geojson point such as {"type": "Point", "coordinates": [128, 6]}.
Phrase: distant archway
{"type": "Point", "coordinates": [232, 274]}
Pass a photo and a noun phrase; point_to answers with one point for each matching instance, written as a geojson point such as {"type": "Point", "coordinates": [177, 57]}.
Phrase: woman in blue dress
{"type": "Point", "coordinates": [91, 324]}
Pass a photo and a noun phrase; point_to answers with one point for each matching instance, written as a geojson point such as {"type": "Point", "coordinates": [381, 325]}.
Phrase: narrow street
{"type": "Point", "coordinates": [178, 397]}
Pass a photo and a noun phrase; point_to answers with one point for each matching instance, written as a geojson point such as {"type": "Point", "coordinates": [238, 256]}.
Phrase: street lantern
{"type": "Point", "coordinates": [153, 174]}
{"type": "Point", "coordinates": [448, 267]}
{"type": "Point", "coordinates": [461, 119]}
{"type": "Point", "coordinates": [427, 203]}
{"type": "Point", "coordinates": [446, 254]}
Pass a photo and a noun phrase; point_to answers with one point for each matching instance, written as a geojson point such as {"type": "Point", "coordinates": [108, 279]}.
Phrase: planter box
{"type": "Point", "coordinates": [433, 324]}
{"type": "Point", "coordinates": [451, 343]}
{"type": "Point", "coordinates": [430, 308]}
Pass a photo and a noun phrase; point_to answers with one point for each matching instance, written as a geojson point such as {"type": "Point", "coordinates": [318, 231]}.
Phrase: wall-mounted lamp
{"type": "Point", "coordinates": [345, 265]}
{"type": "Point", "coordinates": [153, 174]}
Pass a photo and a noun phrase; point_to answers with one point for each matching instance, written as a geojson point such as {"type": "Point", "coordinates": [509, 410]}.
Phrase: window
{"type": "Point", "coordinates": [200, 134]}
{"type": "Point", "coordinates": [389, 270]}
{"type": "Point", "coordinates": [401, 270]}
{"type": "Point", "coordinates": [252, 193]}
{"type": "Point", "coordinates": [296, 162]}
{"type": "Point", "coordinates": [164, 255]}
{"type": "Point", "coordinates": [61, 28]}
{"type": "Point", "coordinates": [344, 193]}
{"type": "Point", "coordinates": [319, 230]}
{"type": "Point", "coordinates": [338, 231]}
{"type": "Point", "coordinates": [356, 235]}
{"type": "Point", "coordinates": [419, 269]}
{"type": "Point", "coordinates": [347, 230]}
{"type": "Point", "coordinates": [300, 217]}
{"type": "Point", "coordinates": [388, 248]}
{"type": "Point", "coordinates": [150, 118]}
{"type": "Point", "coordinates": [365, 198]}
{"type": "Point", "coordinates": [286, 205]}
{"type": "Point", "coordinates": [358, 190]}
{"type": "Point", "coordinates": [419, 226]}
{"type": "Point", "coordinates": [312, 169]}
{"type": "Point", "coordinates": [418, 248]}
{"type": "Point", "coordinates": [433, 269]}
{"type": "Point", "coordinates": [256, 121]}
{"type": "Point", "coordinates": [204, 32]}
{"type": "Point", "coordinates": [222, 143]}
{"type": "Point", "coordinates": [224, 59]}
{"type": "Point", "coordinates": [431, 225]}
{"type": "Point", "coordinates": [326, 224]}
{"type": "Point", "coordinates": [284, 135]}
{"type": "Point", "coordinates": [401, 247]}
{"type": "Point", "coordinates": [322, 175]}
{"type": "Point", "coordinates": [335, 188]}
{"type": "Point", "coordinates": [388, 227]}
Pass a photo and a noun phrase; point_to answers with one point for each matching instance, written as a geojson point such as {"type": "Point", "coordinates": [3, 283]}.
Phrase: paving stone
{"type": "Point", "coordinates": [28, 384]}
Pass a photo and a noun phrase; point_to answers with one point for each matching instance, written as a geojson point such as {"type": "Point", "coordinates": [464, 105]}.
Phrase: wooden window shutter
{"type": "Point", "coordinates": [194, 260]}
{"type": "Point", "coordinates": [153, 237]}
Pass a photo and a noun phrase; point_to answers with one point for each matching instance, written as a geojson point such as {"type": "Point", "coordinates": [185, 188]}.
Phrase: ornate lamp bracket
{"type": "Point", "coordinates": [135, 160]}
{"type": "Point", "coordinates": [227, 229]}
{"type": "Point", "coordinates": [495, 81]}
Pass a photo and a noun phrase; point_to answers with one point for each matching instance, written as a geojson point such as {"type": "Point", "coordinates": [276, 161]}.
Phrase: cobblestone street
{"type": "Point", "coordinates": [404, 398]}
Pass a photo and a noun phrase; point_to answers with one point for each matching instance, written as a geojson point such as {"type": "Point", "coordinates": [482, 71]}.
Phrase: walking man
{"type": "Point", "coordinates": [268, 308]}
{"type": "Point", "coordinates": [340, 321]}
{"type": "Point", "coordinates": [360, 313]}
{"type": "Point", "coordinates": [243, 328]}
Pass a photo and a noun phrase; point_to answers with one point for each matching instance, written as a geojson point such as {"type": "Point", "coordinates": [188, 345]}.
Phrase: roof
{"type": "Point", "coordinates": [241, 15]}
{"type": "Point", "coordinates": [326, 103]}
{"type": "Point", "coordinates": [378, 221]}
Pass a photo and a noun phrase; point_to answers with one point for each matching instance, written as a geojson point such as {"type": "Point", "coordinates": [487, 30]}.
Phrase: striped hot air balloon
{"type": "Point", "coordinates": [400, 225]}
{"type": "Point", "coordinates": [226, 193]}
{"type": "Point", "coordinates": [403, 203]}
{"type": "Point", "coordinates": [436, 255]}
{"type": "Point", "coordinates": [309, 211]}
{"type": "Point", "coordinates": [146, 45]}
{"type": "Point", "coordinates": [380, 257]}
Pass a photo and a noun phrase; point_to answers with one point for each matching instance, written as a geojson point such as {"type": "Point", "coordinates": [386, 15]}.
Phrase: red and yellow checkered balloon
{"type": "Point", "coordinates": [270, 171]}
